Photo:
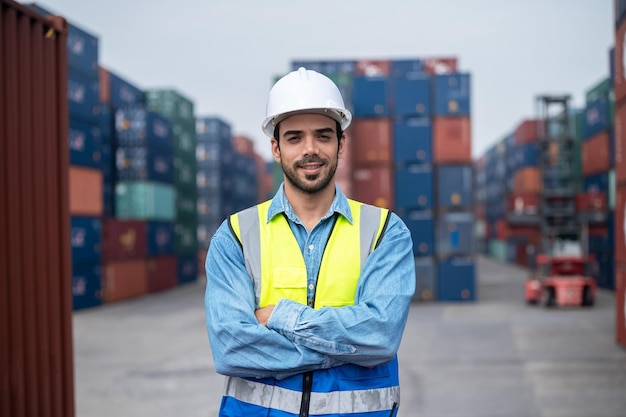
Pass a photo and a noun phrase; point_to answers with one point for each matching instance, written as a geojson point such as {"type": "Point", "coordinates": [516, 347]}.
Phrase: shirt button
{"type": "Point", "coordinates": [311, 286]}
{"type": "Point", "coordinates": [311, 247]}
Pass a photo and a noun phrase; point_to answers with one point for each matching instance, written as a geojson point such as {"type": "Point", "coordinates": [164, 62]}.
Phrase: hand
{"type": "Point", "coordinates": [263, 314]}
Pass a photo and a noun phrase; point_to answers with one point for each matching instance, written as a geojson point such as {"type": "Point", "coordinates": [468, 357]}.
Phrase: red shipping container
{"type": "Point", "coordinates": [440, 65]}
{"type": "Point", "coordinates": [243, 145]}
{"type": "Point", "coordinates": [502, 229]}
{"type": "Point", "coordinates": [85, 190]}
{"type": "Point", "coordinates": [105, 85]}
{"type": "Point", "coordinates": [620, 143]}
{"type": "Point", "coordinates": [162, 273]}
{"type": "Point", "coordinates": [620, 238]}
{"type": "Point", "coordinates": [619, 84]}
{"type": "Point", "coordinates": [372, 68]}
{"type": "Point", "coordinates": [374, 140]}
{"type": "Point", "coordinates": [527, 132]}
{"type": "Point", "coordinates": [523, 203]}
{"type": "Point", "coordinates": [374, 185]}
{"type": "Point", "coordinates": [591, 201]}
{"type": "Point", "coordinates": [122, 280]}
{"type": "Point", "coordinates": [620, 304]}
{"type": "Point", "coordinates": [123, 239]}
{"type": "Point", "coordinates": [527, 181]}
{"type": "Point", "coordinates": [596, 158]}
{"type": "Point", "coordinates": [452, 140]}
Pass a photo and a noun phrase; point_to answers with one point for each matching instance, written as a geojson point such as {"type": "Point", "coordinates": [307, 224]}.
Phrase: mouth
{"type": "Point", "coordinates": [311, 167]}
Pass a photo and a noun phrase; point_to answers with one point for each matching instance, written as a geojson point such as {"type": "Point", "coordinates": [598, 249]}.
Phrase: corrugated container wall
{"type": "Point", "coordinates": [36, 368]}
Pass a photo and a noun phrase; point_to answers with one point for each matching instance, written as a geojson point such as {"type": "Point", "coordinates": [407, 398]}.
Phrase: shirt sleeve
{"type": "Point", "coordinates": [239, 344]}
{"type": "Point", "coordinates": [369, 332]}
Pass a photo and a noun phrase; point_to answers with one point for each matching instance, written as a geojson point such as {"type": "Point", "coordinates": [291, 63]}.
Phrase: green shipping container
{"type": "Point", "coordinates": [185, 171]}
{"type": "Point", "coordinates": [173, 105]}
{"type": "Point", "coordinates": [602, 89]}
{"type": "Point", "coordinates": [186, 207]}
{"type": "Point", "coordinates": [498, 250]}
{"type": "Point", "coordinates": [142, 200]}
{"type": "Point", "coordinates": [185, 141]}
{"type": "Point", "coordinates": [186, 240]}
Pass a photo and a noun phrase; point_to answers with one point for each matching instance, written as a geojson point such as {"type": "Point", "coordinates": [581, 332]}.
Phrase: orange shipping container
{"type": "Point", "coordinates": [243, 145]}
{"type": "Point", "coordinates": [527, 132]}
{"type": "Point", "coordinates": [596, 158]}
{"type": "Point", "coordinates": [527, 180]}
{"type": "Point", "coordinates": [620, 238]}
{"type": "Point", "coordinates": [105, 85]}
{"type": "Point", "coordinates": [123, 280]}
{"type": "Point", "coordinates": [620, 75]}
{"type": "Point", "coordinates": [620, 143]}
{"type": "Point", "coordinates": [523, 203]}
{"type": "Point", "coordinates": [85, 191]}
{"type": "Point", "coordinates": [374, 185]}
{"type": "Point", "coordinates": [372, 67]}
{"type": "Point", "coordinates": [373, 137]}
{"type": "Point", "coordinates": [620, 304]}
{"type": "Point", "coordinates": [452, 140]}
{"type": "Point", "coordinates": [440, 65]}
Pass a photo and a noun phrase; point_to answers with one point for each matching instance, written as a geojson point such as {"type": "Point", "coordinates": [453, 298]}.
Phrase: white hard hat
{"type": "Point", "coordinates": [304, 91]}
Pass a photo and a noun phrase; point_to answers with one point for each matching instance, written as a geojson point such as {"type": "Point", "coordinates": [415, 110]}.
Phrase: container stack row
{"type": "Point", "coordinates": [619, 85]}
{"type": "Point", "coordinates": [409, 149]}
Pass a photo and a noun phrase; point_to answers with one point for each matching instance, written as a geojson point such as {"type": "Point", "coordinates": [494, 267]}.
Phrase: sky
{"type": "Point", "coordinates": [224, 55]}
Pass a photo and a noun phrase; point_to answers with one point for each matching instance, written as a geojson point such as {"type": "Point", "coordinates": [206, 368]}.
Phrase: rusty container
{"type": "Point", "coordinates": [596, 154]}
{"type": "Point", "coordinates": [86, 193]}
{"type": "Point", "coordinates": [374, 185]}
{"type": "Point", "coordinates": [620, 143]}
{"type": "Point", "coordinates": [620, 236]}
{"type": "Point", "coordinates": [527, 181]}
{"type": "Point", "coordinates": [162, 273]}
{"type": "Point", "coordinates": [123, 239]}
{"type": "Point", "coordinates": [452, 140]}
{"type": "Point", "coordinates": [620, 304]}
{"type": "Point", "coordinates": [36, 355]}
{"type": "Point", "coordinates": [123, 280]}
{"type": "Point", "coordinates": [374, 139]}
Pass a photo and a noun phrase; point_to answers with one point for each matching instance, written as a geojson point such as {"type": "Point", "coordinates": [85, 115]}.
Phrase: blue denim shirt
{"type": "Point", "coordinates": [299, 338]}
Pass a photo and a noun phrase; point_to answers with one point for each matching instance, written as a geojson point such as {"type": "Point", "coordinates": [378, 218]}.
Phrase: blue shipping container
{"type": "Point", "coordinates": [454, 186]}
{"type": "Point", "coordinates": [411, 95]}
{"type": "Point", "coordinates": [406, 67]}
{"type": "Point", "coordinates": [412, 140]}
{"type": "Point", "coordinates": [187, 266]}
{"type": "Point", "coordinates": [83, 94]}
{"type": "Point", "coordinates": [605, 272]}
{"type": "Point", "coordinates": [86, 238]}
{"type": "Point", "coordinates": [413, 187]}
{"type": "Point", "coordinates": [596, 183]}
{"type": "Point", "coordinates": [597, 117]}
{"type": "Point", "coordinates": [108, 200]}
{"type": "Point", "coordinates": [421, 225]}
{"type": "Point", "coordinates": [425, 279]}
{"type": "Point", "coordinates": [124, 93]}
{"type": "Point", "coordinates": [213, 129]}
{"type": "Point", "coordinates": [85, 141]}
{"type": "Point", "coordinates": [160, 237]}
{"type": "Point", "coordinates": [456, 279]}
{"type": "Point", "coordinates": [86, 284]}
{"type": "Point", "coordinates": [107, 165]}
{"type": "Point", "coordinates": [136, 126]}
{"type": "Point", "coordinates": [452, 94]}
{"type": "Point", "coordinates": [526, 155]}
{"type": "Point", "coordinates": [455, 234]}
{"type": "Point", "coordinates": [107, 123]}
{"type": "Point", "coordinates": [144, 164]}
{"type": "Point", "coordinates": [369, 96]}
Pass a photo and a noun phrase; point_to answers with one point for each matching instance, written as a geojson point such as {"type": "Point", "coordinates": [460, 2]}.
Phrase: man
{"type": "Point", "coordinates": [308, 293]}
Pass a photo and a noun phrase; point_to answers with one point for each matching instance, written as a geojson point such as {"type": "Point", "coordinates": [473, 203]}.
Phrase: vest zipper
{"type": "Point", "coordinates": [307, 385]}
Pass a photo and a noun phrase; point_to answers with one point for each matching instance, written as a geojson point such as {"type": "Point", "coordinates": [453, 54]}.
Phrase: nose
{"type": "Point", "coordinates": [310, 146]}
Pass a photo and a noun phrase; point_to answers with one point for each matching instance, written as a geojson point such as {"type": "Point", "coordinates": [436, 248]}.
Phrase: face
{"type": "Point", "coordinates": [308, 151]}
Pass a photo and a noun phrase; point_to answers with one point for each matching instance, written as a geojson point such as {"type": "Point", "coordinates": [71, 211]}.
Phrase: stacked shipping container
{"type": "Point", "coordinates": [619, 85]}
{"type": "Point", "coordinates": [409, 149]}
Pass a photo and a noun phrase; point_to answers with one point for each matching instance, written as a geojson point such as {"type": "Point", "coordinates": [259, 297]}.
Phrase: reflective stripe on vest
{"type": "Point", "coordinates": [284, 271]}
{"type": "Point", "coordinates": [333, 403]}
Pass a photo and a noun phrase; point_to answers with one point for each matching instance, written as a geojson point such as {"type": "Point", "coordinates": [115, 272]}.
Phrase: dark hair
{"type": "Point", "coordinates": [337, 124]}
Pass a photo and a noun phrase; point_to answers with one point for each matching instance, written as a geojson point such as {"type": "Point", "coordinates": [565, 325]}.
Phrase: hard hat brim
{"type": "Point", "coordinates": [341, 116]}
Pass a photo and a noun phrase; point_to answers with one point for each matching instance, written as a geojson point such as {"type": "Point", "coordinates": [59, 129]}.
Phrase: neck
{"type": "Point", "coordinates": [310, 208]}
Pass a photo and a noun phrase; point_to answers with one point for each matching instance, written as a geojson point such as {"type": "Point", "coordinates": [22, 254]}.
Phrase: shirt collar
{"type": "Point", "coordinates": [280, 204]}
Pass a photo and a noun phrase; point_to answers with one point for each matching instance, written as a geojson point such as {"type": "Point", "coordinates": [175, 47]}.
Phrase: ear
{"type": "Point", "coordinates": [342, 145]}
{"type": "Point", "coordinates": [275, 150]}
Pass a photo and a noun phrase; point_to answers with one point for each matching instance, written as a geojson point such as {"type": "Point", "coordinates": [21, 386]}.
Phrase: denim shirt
{"type": "Point", "coordinates": [299, 338]}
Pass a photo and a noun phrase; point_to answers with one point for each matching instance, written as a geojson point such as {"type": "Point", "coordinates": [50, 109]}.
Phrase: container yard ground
{"type": "Point", "coordinates": [496, 357]}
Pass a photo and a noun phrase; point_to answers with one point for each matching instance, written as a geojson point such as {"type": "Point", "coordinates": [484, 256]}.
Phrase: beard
{"type": "Point", "coordinates": [312, 183]}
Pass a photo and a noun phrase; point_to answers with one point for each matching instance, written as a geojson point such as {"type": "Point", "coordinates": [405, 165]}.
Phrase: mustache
{"type": "Point", "coordinates": [314, 159]}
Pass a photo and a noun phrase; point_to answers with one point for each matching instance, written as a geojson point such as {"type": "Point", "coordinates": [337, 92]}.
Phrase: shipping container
{"type": "Point", "coordinates": [440, 65]}
{"type": "Point", "coordinates": [527, 131]}
{"type": "Point", "coordinates": [370, 96]}
{"type": "Point", "coordinates": [83, 93]}
{"type": "Point", "coordinates": [620, 236]}
{"type": "Point", "coordinates": [412, 140]}
{"type": "Point", "coordinates": [374, 138]}
{"type": "Point", "coordinates": [456, 279]}
{"type": "Point", "coordinates": [374, 185]}
{"type": "Point", "coordinates": [187, 267]}
{"type": "Point", "coordinates": [122, 280]}
{"type": "Point", "coordinates": [454, 186]}
{"type": "Point", "coordinates": [145, 200]}
{"type": "Point", "coordinates": [162, 273]}
{"type": "Point", "coordinates": [425, 279]}
{"type": "Point", "coordinates": [86, 238]}
{"type": "Point", "coordinates": [451, 94]}
{"type": "Point", "coordinates": [372, 67]}
{"type": "Point", "coordinates": [598, 116]}
{"type": "Point", "coordinates": [144, 164]}
{"type": "Point", "coordinates": [85, 191]}
{"type": "Point", "coordinates": [620, 75]}
{"type": "Point", "coordinates": [123, 239]}
{"type": "Point", "coordinates": [455, 234]}
{"type": "Point", "coordinates": [85, 143]}
{"type": "Point", "coordinates": [160, 238]}
{"type": "Point", "coordinates": [620, 142]}
{"type": "Point", "coordinates": [410, 95]}
{"type": "Point", "coordinates": [452, 140]}
{"type": "Point", "coordinates": [121, 92]}
{"type": "Point", "coordinates": [401, 68]}
{"type": "Point", "coordinates": [620, 304]}
{"type": "Point", "coordinates": [422, 227]}
{"type": "Point", "coordinates": [137, 126]}
{"type": "Point", "coordinates": [497, 250]}
{"type": "Point", "coordinates": [591, 201]}
{"type": "Point", "coordinates": [528, 181]}
{"type": "Point", "coordinates": [86, 284]}
{"type": "Point", "coordinates": [523, 203]}
{"type": "Point", "coordinates": [596, 154]}
{"type": "Point", "coordinates": [413, 187]}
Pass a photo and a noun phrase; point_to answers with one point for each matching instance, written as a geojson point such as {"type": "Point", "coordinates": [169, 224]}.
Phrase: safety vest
{"type": "Point", "coordinates": [275, 263]}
